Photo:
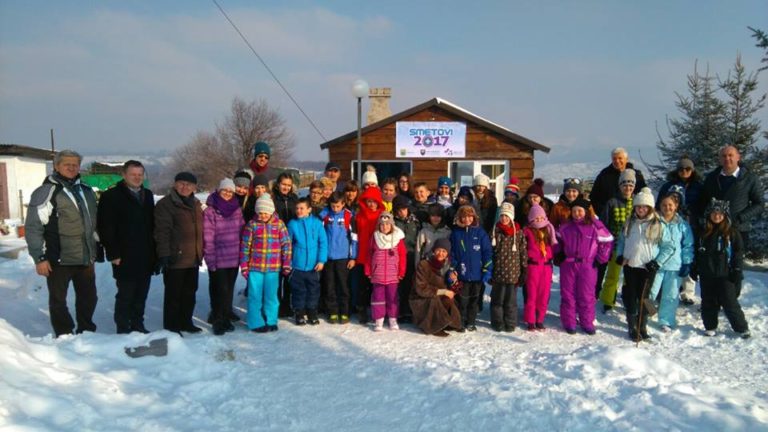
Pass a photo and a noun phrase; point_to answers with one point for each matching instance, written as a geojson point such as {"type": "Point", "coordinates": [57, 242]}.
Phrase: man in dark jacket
{"type": "Point", "coordinates": [126, 229]}
{"type": "Point", "coordinates": [61, 228]}
{"type": "Point", "coordinates": [736, 184]}
{"type": "Point", "coordinates": [179, 241]}
{"type": "Point", "coordinates": [606, 184]}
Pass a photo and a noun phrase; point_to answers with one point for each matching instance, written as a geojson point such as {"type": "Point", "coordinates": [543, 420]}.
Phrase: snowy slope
{"type": "Point", "coordinates": [335, 377]}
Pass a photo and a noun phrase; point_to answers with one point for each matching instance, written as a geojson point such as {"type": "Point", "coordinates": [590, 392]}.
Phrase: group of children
{"type": "Point", "coordinates": [364, 255]}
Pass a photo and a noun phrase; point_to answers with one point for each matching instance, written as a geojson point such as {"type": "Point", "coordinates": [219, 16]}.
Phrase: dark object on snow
{"type": "Point", "coordinates": [156, 347]}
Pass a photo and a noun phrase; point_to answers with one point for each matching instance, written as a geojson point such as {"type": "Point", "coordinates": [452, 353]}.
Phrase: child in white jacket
{"type": "Point", "coordinates": [637, 251]}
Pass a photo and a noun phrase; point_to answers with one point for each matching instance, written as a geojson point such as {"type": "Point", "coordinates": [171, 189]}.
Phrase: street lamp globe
{"type": "Point", "coordinates": [360, 88]}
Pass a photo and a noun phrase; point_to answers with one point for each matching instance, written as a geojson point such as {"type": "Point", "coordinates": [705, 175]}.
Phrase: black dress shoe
{"type": "Point", "coordinates": [140, 328]}
{"type": "Point", "coordinates": [191, 328]}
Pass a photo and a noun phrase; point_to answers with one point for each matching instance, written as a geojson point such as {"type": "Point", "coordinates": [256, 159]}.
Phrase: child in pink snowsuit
{"type": "Point", "coordinates": [583, 244]}
{"type": "Point", "coordinates": [386, 267]}
{"type": "Point", "coordinates": [539, 239]}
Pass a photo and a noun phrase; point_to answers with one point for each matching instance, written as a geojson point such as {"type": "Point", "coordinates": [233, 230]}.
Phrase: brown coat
{"type": "Point", "coordinates": [432, 312]}
{"type": "Point", "coordinates": [179, 231]}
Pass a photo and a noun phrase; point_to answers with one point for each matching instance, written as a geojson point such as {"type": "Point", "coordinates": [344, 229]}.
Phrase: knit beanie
{"type": "Point", "coordinates": [679, 191]}
{"type": "Point", "coordinates": [573, 183]}
{"type": "Point", "coordinates": [627, 176]}
{"type": "Point", "coordinates": [260, 180]}
{"type": "Point", "coordinates": [513, 187]}
{"type": "Point", "coordinates": [442, 243]}
{"type": "Point", "coordinates": [685, 162]}
{"type": "Point", "coordinates": [645, 198]}
{"type": "Point", "coordinates": [537, 211]}
{"type": "Point", "coordinates": [185, 176]}
{"type": "Point", "coordinates": [370, 177]}
{"type": "Point", "coordinates": [481, 180]}
{"type": "Point", "coordinates": [537, 188]}
{"type": "Point", "coordinates": [466, 192]}
{"type": "Point", "coordinates": [226, 184]}
{"type": "Point", "coordinates": [242, 179]}
{"type": "Point", "coordinates": [720, 206]}
{"type": "Point", "coordinates": [385, 216]}
{"type": "Point", "coordinates": [435, 209]}
{"type": "Point", "coordinates": [507, 209]}
{"type": "Point", "coordinates": [261, 147]}
{"type": "Point", "coordinates": [444, 181]}
{"type": "Point", "coordinates": [399, 202]}
{"type": "Point", "coordinates": [264, 204]}
{"type": "Point", "coordinates": [580, 202]}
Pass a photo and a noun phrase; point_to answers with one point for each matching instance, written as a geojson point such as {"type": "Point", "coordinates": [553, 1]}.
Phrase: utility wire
{"type": "Point", "coordinates": [269, 70]}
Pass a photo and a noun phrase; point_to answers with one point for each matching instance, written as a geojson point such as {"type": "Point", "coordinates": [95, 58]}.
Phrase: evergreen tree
{"type": "Point", "coordinates": [701, 129]}
{"type": "Point", "coordinates": [743, 128]}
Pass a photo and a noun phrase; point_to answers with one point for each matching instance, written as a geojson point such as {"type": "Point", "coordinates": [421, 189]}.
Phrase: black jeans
{"type": "Point", "coordinates": [504, 305]}
{"type": "Point", "coordinates": [467, 301]}
{"type": "Point", "coordinates": [717, 293]}
{"type": "Point", "coordinates": [336, 276]}
{"type": "Point", "coordinates": [84, 280]}
{"type": "Point", "coordinates": [130, 300]}
{"type": "Point", "coordinates": [632, 291]}
{"type": "Point", "coordinates": [222, 286]}
{"type": "Point", "coordinates": [179, 298]}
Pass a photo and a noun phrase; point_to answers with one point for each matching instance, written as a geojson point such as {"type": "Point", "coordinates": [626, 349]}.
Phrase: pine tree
{"type": "Point", "coordinates": [743, 129]}
{"type": "Point", "coordinates": [701, 129]}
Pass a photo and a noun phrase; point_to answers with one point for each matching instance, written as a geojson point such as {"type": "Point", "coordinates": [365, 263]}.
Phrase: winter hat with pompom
{"type": "Point", "coordinates": [264, 204]}
{"type": "Point", "coordinates": [226, 184]}
{"type": "Point", "coordinates": [537, 188]}
{"type": "Point", "coordinates": [644, 198]}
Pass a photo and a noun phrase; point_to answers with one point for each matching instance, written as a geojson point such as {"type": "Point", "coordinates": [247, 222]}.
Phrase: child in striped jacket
{"type": "Point", "coordinates": [265, 251]}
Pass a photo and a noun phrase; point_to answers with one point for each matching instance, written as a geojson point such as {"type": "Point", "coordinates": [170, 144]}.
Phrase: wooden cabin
{"type": "Point", "coordinates": [470, 145]}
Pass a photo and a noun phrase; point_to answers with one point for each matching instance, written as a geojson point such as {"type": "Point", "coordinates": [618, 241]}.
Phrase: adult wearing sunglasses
{"type": "Point", "coordinates": [260, 162]}
{"type": "Point", "coordinates": [684, 178]}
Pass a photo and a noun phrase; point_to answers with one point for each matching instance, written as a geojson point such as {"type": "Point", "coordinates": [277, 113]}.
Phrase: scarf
{"type": "Point", "coordinates": [224, 207]}
{"type": "Point", "coordinates": [436, 265]}
{"type": "Point", "coordinates": [257, 169]}
{"type": "Point", "coordinates": [509, 230]}
{"type": "Point", "coordinates": [388, 241]}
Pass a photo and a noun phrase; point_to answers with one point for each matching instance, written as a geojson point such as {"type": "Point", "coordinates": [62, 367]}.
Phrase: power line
{"type": "Point", "coordinates": [269, 70]}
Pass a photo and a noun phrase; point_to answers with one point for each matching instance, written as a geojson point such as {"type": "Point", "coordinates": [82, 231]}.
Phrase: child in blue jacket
{"type": "Point", "coordinates": [674, 260]}
{"type": "Point", "coordinates": [310, 251]}
{"type": "Point", "coordinates": [472, 256]}
{"type": "Point", "coordinates": [342, 251]}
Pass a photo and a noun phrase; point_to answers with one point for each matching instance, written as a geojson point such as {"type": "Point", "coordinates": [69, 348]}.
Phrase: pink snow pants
{"type": "Point", "coordinates": [537, 286]}
{"type": "Point", "coordinates": [384, 301]}
{"type": "Point", "coordinates": [577, 294]}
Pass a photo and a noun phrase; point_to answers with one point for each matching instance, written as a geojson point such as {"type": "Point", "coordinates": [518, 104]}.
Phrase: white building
{"type": "Point", "coordinates": [22, 170]}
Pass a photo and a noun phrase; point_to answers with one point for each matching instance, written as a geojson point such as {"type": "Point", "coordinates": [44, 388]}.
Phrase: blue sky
{"type": "Point", "coordinates": [580, 77]}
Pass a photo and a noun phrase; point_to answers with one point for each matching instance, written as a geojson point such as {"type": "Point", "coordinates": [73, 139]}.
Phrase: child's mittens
{"type": "Point", "coordinates": [685, 270]}
{"type": "Point", "coordinates": [487, 277]}
{"type": "Point", "coordinates": [620, 260]}
{"type": "Point", "coordinates": [286, 271]}
{"type": "Point", "coordinates": [244, 271]}
{"type": "Point", "coordinates": [521, 278]}
{"type": "Point", "coordinates": [559, 258]}
{"type": "Point", "coordinates": [595, 263]}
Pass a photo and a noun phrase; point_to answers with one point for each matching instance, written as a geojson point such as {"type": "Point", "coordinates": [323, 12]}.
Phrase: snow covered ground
{"type": "Point", "coordinates": [333, 377]}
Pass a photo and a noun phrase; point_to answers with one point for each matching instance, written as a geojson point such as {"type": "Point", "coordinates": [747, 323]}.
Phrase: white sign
{"type": "Point", "coordinates": [430, 140]}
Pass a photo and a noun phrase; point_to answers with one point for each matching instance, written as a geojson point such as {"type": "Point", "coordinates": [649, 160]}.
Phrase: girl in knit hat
{"type": "Point", "coordinates": [244, 194]}
{"type": "Point", "coordinates": [265, 251]}
{"type": "Point", "coordinates": [385, 267]}
{"type": "Point", "coordinates": [583, 244]}
{"type": "Point", "coordinates": [444, 195]}
{"type": "Point", "coordinates": [638, 251]}
{"type": "Point", "coordinates": [675, 260]}
{"type": "Point", "coordinates": [222, 223]}
{"type": "Point", "coordinates": [719, 259]}
{"type": "Point", "coordinates": [510, 259]}
{"type": "Point", "coordinates": [534, 195]}
{"type": "Point", "coordinates": [617, 211]}
{"type": "Point", "coordinates": [561, 212]}
{"type": "Point", "coordinates": [539, 239]}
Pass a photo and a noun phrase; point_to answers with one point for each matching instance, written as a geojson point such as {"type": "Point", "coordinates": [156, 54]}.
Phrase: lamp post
{"type": "Point", "coordinates": [359, 90]}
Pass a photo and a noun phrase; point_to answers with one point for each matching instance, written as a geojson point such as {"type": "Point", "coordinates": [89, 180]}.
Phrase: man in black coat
{"type": "Point", "coordinates": [126, 224]}
{"type": "Point", "coordinates": [736, 184]}
{"type": "Point", "coordinates": [606, 184]}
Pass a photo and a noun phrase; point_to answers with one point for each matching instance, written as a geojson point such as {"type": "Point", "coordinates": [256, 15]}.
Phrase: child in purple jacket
{"type": "Point", "coordinates": [222, 222]}
{"type": "Point", "coordinates": [583, 244]}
